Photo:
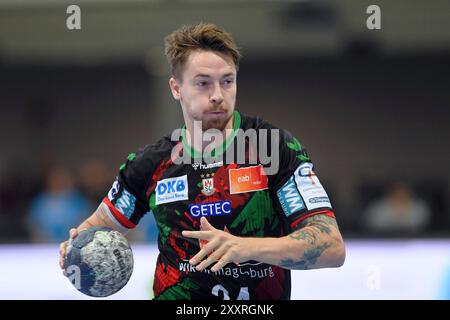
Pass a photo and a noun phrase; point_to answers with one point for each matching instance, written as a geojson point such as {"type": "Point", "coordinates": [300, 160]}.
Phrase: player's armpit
{"type": "Point", "coordinates": [103, 217]}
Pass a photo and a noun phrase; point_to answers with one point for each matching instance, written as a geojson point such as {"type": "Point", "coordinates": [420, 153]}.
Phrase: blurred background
{"type": "Point", "coordinates": [371, 106]}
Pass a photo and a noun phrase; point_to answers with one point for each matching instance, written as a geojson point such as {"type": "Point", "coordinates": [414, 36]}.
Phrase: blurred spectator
{"type": "Point", "coordinates": [398, 211]}
{"type": "Point", "coordinates": [58, 208]}
{"type": "Point", "coordinates": [95, 180]}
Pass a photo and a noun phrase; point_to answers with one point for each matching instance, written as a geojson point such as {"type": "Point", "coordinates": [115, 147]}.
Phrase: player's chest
{"type": "Point", "coordinates": [209, 190]}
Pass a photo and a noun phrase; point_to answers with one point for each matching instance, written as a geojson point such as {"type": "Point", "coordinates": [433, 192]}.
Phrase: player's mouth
{"type": "Point", "coordinates": [215, 113]}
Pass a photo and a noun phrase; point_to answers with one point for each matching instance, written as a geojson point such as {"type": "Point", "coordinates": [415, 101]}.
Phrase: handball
{"type": "Point", "coordinates": [99, 261]}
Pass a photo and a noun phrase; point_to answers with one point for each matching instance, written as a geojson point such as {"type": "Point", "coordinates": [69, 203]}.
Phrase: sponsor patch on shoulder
{"type": "Point", "coordinates": [290, 199]}
{"type": "Point", "coordinates": [114, 190]}
{"type": "Point", "coordinates": [125, 201]}
{"type": "Point", "coordinates": [310, 188]}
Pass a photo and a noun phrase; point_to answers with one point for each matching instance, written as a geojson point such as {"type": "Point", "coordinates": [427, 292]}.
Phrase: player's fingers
{"type": "Point", "coordinates": [202, 235]}
{"type": "Point", "coordinates": [213, 257]}
{"type": "Point", "coordinates": [62, 253]}
{"type": "Point", "coordinates": [208, 248]}
{"type": "Point", "coordinates": [62, 248]}
{"type": "Point", "coordinates": [73, 233]}
{"type": "Point", "coordinates": [61, 263]}
{"type": "Point", "coordinates": [223, 261]}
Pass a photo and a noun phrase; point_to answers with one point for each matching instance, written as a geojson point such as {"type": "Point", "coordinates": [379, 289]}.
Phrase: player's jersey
{"type": "Point", "coordinates": [235, 192]}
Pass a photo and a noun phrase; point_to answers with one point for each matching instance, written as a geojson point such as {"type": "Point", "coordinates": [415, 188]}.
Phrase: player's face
{"type": "Point", "coordinates": [207, 90]}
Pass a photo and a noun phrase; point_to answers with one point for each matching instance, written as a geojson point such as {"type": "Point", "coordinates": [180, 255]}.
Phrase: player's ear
{"type": "Point", "coordinates": [175, 88]}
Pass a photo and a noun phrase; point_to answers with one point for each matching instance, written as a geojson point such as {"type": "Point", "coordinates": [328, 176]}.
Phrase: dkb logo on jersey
{"type": "Point", "coordinates": [219, 208]}
{"type": "Point", "coordinates": [171, 190]}
{"type": "Point", "coordinates": [290, 199]}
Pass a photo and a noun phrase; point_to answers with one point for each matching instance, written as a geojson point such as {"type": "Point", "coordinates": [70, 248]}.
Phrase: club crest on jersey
{"type": "Point", "coordinates": [208, 184]}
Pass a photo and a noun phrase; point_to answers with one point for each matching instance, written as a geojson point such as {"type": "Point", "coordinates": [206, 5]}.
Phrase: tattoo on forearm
{"type": "Point", "coordinates": [316, 224]}
{"type": "Point", "coordinates": [310, 230]}
{"type": "Point", "coordinates": [308, 260]}
{"type": "Point", "coordinates": [305, 234]}
{"type": "Point", "coordinates": [322, 222]}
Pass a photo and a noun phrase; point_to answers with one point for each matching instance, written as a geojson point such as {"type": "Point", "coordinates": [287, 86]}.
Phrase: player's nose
{"type": "Point", "coordinates": [216, 95]}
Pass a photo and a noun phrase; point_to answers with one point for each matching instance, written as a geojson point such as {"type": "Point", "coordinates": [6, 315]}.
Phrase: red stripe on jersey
{"type": "Point", "coordinates": [118, 215]}
{"type": "Point", "coordinates": [328, 213]}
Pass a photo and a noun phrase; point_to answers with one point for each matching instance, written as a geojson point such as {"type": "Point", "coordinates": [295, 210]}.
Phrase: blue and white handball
{"type": "Point", "coordinates": [99, 261]}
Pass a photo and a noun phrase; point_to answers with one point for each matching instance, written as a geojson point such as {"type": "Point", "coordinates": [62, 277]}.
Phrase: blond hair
{"type": "Point", "coordinates": [203, 36]}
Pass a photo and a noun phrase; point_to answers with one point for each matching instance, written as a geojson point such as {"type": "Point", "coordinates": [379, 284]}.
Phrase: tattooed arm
{"type": "Point", "coordinates": [317, 244]}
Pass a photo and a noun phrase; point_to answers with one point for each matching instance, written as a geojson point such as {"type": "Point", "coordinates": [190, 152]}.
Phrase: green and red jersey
{"type": "Point", "coordinates": [234, 195]}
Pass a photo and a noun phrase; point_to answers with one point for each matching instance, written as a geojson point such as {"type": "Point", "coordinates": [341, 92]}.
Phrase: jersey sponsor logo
{"type": "Point", "coordinates": [114, 190]}
{"type": "Point", "coordinates": [171, 190]}
{"type": "Point", "coordinates": [310, 187]}
{"type": "Point", "coordinates": [202, 166]}
{"type": "Point", "coordinates": [290, 199]}
{"type": "Point", "coordinates": [208, 184]}
{"type": "Point", "coordinates": [319, 199]}
{"type": "Point", "coordinates": [126, 204]}
{"type": "Point", "coordinates": [247, 179]}
{"type": "Point", "coordinates": [246, 271]}
{"type": "Point", "coordinates": [212, 209]}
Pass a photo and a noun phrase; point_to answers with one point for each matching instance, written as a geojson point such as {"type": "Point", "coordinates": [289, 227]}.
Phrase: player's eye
{"type": "Point", "coordinates": [202, 83]}
{"type": "Point", "coordinates": [229, 81]}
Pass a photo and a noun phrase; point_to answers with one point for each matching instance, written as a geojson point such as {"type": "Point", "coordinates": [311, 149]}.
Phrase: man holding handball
{"type": "Point", "coordinates": [232, 221]}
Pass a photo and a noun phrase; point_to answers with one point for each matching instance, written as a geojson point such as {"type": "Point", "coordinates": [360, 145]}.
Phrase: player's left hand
{"type": "Point", "coordinates": [222, 247]}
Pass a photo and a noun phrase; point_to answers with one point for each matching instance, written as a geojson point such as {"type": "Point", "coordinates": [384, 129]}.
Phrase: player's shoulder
{"type": "Point", "coordinates": [288, 143]}
{"type": "Point", "coordinates": [150, 155]}
{"type": "Point", "coordinates": [258, 123]}
{"type": "Point", "coordinates": [159, 150]}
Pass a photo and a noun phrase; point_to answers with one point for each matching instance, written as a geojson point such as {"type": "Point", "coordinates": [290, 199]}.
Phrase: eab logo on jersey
{"type": "Point", "coordinates": [171, 190]}
{"type": "Point", "coordinates": [290, 198]}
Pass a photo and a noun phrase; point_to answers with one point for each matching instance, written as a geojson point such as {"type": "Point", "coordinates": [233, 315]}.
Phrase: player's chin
{"type": "Point", "coordinates": [214, 124]}
{"type": "Point", "coordinates": [215, 120]}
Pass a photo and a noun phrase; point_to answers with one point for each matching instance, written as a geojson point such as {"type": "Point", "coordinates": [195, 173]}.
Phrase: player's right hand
{"type": "Point", "coordinates": [63, 247]}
